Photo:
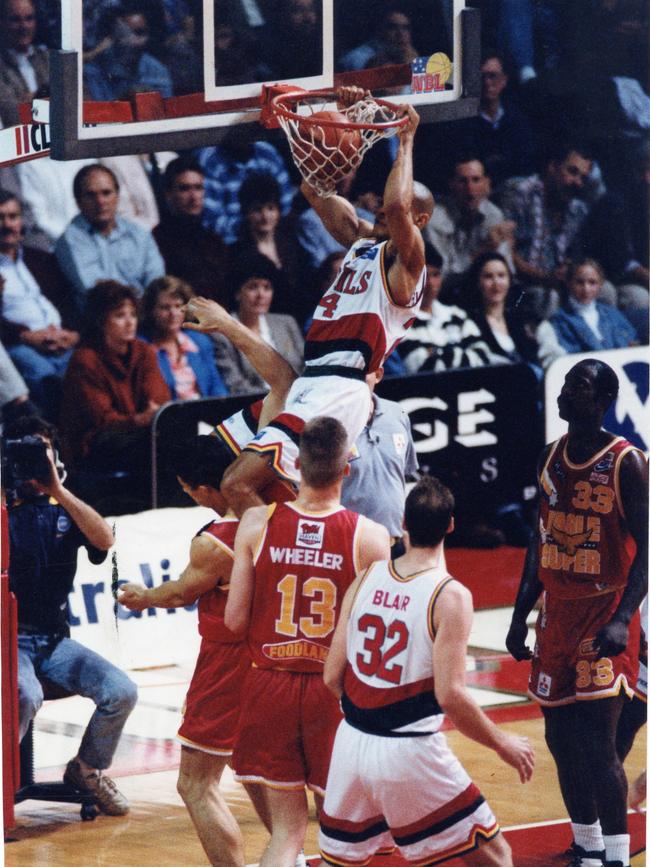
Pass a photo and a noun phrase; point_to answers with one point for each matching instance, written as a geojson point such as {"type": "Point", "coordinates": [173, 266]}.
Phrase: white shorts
{"type": "Point", "coordinates": [409, 792]}
{"type": "Point", "coordinates": [340, 397]}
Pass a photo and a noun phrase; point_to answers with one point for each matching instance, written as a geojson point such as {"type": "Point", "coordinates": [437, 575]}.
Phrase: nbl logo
{"type": "Point", "coordinates": [310, 534]}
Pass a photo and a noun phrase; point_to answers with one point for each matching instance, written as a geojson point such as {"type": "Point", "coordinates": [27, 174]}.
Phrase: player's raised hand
{"type": "Point", "coordinates": [516, 640]}
{"type": "Point", "coordinates": [408, 130]}
{"type": "Point", "coordinates": [347, 95]}
{"type": "Point", "coordinates": [133, 597]}
{"type": "Point", "coordinates": [517, 752]}
{"type": "Point", "coordinates": [209, 315]}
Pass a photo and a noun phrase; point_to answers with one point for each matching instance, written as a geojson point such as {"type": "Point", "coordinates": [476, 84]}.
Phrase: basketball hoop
{"type": "Point", "coordinates": [327, 145]}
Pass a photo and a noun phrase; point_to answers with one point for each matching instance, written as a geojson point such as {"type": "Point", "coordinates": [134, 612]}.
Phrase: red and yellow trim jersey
{"type": "Point", "coordinates": [304, 563]}
{"type": "Point", "coordinates": [212, 605]}
{"type": "Point", "coordinates": [388, 683]}
{"type": "Point", "coordinates": [585, 546]}
{"type": "Point", "coordinates": [357, 324]}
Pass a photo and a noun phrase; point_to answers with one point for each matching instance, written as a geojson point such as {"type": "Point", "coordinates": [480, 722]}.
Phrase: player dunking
{"type": "Point", "coordinates": [590, 561]}
{"type": "Point", "coordinates": [397, 659]}
{"type": "Point", "coordinates": [293, 564]}
{"type": "Point", "coordinates": [357, 324]}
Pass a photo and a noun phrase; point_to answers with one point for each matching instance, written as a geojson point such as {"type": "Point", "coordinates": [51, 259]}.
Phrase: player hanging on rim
{"type": "Point", "coordinates": [398, 662]}
{"type": "Point", "coordinates": [357, 324]}
{"type": "Point", "coordinates": [590, 561]}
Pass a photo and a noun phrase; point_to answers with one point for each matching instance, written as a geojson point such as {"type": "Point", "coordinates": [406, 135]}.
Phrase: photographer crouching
{"type": "Point", "coordinates": [47, 526]}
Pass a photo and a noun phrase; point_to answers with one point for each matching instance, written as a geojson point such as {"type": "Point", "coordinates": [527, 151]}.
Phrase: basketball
{"type": "Point", "coordinates": [328, 145]}
{"type": "Point", "coordinates": [439, 64]}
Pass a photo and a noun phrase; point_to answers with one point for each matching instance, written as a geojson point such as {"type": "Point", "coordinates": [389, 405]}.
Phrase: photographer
{"type": "Point", "coordinates": [47, 526]}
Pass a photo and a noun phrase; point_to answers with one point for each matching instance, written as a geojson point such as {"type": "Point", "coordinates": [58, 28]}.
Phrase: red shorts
{"type": "Point", "coordinates": [211, 712]}
{"type": "Point", "coordinates": [565, 667]}
{"type": "Point", "coordinates": [286, 730]}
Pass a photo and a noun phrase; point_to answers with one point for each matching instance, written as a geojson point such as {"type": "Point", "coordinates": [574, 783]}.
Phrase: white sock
{"type": "Point", "coordinates": [589, 837]}
{"type": "Point", "coordinates": [617, 848]}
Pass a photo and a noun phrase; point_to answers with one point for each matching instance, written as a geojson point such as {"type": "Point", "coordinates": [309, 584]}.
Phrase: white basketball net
{"type": "Point", "coordinates": [324, 166]}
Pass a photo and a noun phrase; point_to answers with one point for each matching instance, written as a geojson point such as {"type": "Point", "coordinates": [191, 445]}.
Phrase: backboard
{"type": "Point", "coordinates": [209, 77]}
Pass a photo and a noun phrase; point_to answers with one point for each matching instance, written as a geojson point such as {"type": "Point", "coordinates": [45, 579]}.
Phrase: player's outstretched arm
{"type": "Point", "coordinates": [338, 216]}
{"type": "Point", "coordinates": [242, 577]}
{"type": "Point", "coordinates": [612, 638]}
{"type": "Point", "coordinates": [373, 544]}
{"type": "Point", "coordinates": [209, 565]}
{"type": "Point", "coordinates": [403, 225]}
{"type": "Point", "coordinates": [268, 363]}
{"type": "Point", "coordinates": [452, 618]}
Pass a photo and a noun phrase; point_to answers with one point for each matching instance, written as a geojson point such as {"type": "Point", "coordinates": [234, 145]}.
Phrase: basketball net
{"type": "Point", "coordinates": [324, 166]}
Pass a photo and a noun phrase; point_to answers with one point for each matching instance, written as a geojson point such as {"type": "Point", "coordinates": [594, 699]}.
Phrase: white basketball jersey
{"type": "Point", "coordinates": [388, 685]}
{"type": "Point", "coordinates": [356, 323]}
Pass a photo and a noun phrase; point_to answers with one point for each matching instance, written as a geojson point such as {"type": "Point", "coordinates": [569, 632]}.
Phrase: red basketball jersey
{"type": "Point", "coordinates": [303, 565]}
{"type": "Point", "coordinates": [585, 545]}
{"type": "Point", "coordinates": [212, 604]}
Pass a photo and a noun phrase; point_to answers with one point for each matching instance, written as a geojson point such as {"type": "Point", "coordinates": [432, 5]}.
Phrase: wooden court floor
{"type": "Point", "coordinates": [158, 833]}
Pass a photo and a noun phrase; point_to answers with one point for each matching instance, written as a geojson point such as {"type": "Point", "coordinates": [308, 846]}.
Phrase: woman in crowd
{"type": "Point", "coordinates": [186, 360]}
{"type": "Point", "coordinates": [253, 298]}
{"type": "Point", "coordinates": [265, 232]}
{"type": "Point", "coordinates": [112, 389]}
{"type": "Point", "coordinates": [583, 324]}
{"type": "Point", "coordinates": [508, 332]}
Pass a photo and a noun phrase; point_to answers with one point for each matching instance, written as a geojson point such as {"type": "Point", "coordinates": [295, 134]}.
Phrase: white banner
{"type": "Point", "coordinates": [150, 548]}
{"type": "Point", "coordinates": [27, 141]}
{"type": "Point", "coordinates": [629, 416]}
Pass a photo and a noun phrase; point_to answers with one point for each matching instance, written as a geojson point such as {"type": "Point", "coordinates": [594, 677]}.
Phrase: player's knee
{"type": "Point", "coordinates": [496, 852]}
{"type": "Point", "coordinates": [190, 787]}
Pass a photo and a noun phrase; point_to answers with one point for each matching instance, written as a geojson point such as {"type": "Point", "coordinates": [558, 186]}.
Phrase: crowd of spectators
{"type": "Point", "coordinates": [537, 245]}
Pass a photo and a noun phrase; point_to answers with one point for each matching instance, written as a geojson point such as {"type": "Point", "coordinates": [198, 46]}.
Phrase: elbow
{"type": "Point", "coordinates": [333, 681]}
{"type": "Point", "coordinates": [450, 699]}
{"type": "Point", "coordinates": [107, 540]}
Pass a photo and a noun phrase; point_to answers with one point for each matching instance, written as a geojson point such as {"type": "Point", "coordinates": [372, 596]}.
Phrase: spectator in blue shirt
{"type": "Point", "coordinates": [126, 66]}
{"type": "Point", "coordinates": [186, 360]}
{"type": "Point", "coordinates": [226, 167]}
{"type": "Point", "coordinates": [583, 324]}
{"type": "Point", "coordinates": [99, 245]}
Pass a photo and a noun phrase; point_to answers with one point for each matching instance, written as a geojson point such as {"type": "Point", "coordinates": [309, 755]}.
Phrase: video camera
{"type": "Point", "coordinates": [26, 458]}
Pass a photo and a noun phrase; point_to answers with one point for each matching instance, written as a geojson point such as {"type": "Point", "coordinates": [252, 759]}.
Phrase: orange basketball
{"type": "Point", "coordinates": [338, 144]}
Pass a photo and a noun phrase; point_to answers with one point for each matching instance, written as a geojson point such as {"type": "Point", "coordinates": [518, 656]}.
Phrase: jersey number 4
{"type": "Point", "coordinates": [322, 608]}
{"type": "Point", "coordinates": [376, 659]}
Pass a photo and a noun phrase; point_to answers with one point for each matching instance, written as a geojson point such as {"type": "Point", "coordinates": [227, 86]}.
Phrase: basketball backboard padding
{"type": "Point", "coordinates": [207, 127]}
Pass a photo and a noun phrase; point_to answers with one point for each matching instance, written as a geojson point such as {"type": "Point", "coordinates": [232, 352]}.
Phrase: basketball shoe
{"type": "Point", "coordinates": [108, 797]}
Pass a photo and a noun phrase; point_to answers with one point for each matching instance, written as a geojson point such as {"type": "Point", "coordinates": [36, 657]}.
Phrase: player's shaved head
{"type": "Point", "coordinates": [422, 199]}
{"type": "Point", "coordinates": [605, 379]}
{"type": "Point", "coordinates": [323, 452]}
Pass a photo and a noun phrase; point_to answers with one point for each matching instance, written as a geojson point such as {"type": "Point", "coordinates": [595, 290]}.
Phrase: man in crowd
{"type": "Point", "coordinates": [99, 245]}
{"type": "Point", "coordinates": [500, 134]}
{"type": "Point", "coordinates": [443, 337]}
{"type": "Point", "coordinates": [191, 251]}
{"type": "Point", "coordinates": [24, 67]}
{"type": "Point", "coordinates": [285, 597]}
{"type": "Point", "coordinates": [397, 660]}
{"type": "Point", "coordinates": [32, 330]}
{"type": "Point", "coordinates": [125, 66]}
{"type": "Point", "coordinates": [466, 223]}
{"type": "Point", "coordinates": [356, 324]}
{"type": "Point", "coordinates": [590, 559]}
{"type": "Point", "coordinates": [548, 214]}
{"type": "Point", "coordinates": [47, 526]}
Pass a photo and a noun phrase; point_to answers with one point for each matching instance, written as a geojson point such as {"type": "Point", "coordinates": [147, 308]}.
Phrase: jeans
{"type": "Point", "coordinates": [42, 373]}
{"type": "Point", "coordinates": [80, 671]}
